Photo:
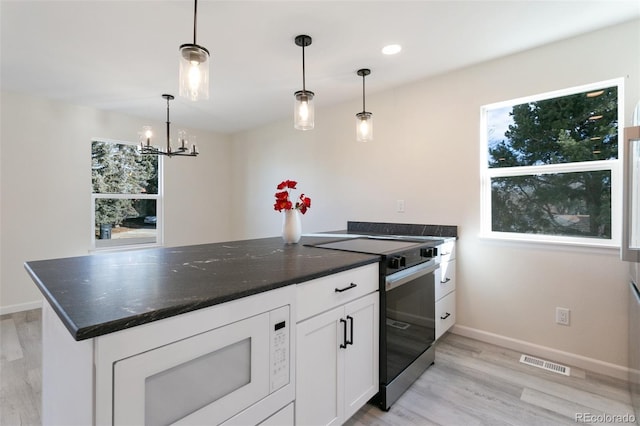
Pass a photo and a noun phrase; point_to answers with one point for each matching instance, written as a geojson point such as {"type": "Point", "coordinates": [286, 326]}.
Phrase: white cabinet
{"type": "Point", "coordinates": [337, 347]}
{"type": "Point", "coordinates": [232, 363]}
{"type": "Point", "coordinates": [445, 288]}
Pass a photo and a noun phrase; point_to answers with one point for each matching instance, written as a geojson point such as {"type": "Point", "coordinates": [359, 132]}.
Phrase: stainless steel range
{"type": "Point", "coordinates": [407, 308]}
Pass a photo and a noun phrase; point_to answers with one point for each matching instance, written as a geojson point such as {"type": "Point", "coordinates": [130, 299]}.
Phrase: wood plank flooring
{"type": "Point", "coordinates": [475, 383]}
{"type": "Point", "coordinates": [471, 383]}
{"type": "Point", "coordinates": [20, 368]}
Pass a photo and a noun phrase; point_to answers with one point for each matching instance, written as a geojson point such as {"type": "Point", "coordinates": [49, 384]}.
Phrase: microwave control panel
{"type": "Point", "coordinates": [279, 347]}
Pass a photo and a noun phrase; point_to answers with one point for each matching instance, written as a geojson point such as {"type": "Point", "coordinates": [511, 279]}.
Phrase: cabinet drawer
{"type": "Point", "coordinates": [320, 295]}
{"type": "Point", "coordinates": [447, 251]}
{"type": "Point", "coordinates": [445, 313]}
{"type": "Point", "coordinates": [445, 278]}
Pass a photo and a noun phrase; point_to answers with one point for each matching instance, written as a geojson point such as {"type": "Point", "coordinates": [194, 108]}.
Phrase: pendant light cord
{"type": "Point", "coordinates": [168, 128]}
{"type": "Point", "coordinates": [304, 89]}
{"type": "Point", "coordinates": [195, 22]}
{"type": "Point", "coordinates": [363, 108]}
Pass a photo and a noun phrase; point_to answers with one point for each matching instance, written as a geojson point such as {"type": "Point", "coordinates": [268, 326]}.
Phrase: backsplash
{"type": "Point", "coordinates": [403, 229]}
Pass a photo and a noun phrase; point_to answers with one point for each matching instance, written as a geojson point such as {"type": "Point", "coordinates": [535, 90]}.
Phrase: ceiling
{"type": "Point", "coordinates": [122, 55]}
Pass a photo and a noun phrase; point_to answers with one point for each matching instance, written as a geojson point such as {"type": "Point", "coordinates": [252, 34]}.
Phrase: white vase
{"type": "Point", "coordinates": [291, 226]}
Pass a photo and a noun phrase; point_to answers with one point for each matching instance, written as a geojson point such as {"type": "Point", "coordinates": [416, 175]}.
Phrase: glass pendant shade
{"type": "Point", "coordinates": [303, 114]}
{"type": "Point", "coordinates": [364, 126]}
{"type": "Point", "coordinates": [194, 72]}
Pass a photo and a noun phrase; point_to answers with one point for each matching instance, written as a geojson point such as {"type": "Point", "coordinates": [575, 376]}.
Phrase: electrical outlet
{"type": "Point", "coordinates": [562, 316]}
{"type": "Point", "coordinates": [400, 206]}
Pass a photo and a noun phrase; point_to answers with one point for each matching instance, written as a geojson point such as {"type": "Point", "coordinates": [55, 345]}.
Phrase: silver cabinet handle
{"type": "Point", "coordinates": [340, 290]}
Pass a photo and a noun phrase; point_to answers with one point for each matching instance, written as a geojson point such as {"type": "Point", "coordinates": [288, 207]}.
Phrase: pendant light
{"type": "Point", "coordinates": [364, 119]}
{"type": "Point", "coordinates": [194, 67]}
{"type": "Point", "coordinates": [303, 113]}
{"type": "Point", "coordinates": [183, 145]}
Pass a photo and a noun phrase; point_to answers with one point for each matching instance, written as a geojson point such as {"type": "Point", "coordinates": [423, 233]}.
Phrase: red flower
{"type": "Point", "coordinates": [291, 184]}
{"type": "Point", "coordinates": [304, 205]}
{"type": "Point", "coordinates": [284, 203]}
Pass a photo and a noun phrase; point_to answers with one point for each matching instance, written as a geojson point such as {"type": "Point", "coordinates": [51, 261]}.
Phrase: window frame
{"type": "Point", "coordinates": [130, 243]}
{"type": "Point", "coordinates": [614, 166]}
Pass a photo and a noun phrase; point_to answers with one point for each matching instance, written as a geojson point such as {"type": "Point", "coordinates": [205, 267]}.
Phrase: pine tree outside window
{"type": "Point", "coordinates": [126, 197]}
{"type": "Point", "coordinates": [550, 168]}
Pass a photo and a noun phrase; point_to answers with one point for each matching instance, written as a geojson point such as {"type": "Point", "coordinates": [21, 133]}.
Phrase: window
{"type": "Point", "coordinates": [126, 199]}
{"type": "Point", "coordinates": [549, 166]}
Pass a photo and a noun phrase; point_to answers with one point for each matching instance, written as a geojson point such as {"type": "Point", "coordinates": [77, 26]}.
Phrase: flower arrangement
{"type": "Point", "coordinates": [283, 200]}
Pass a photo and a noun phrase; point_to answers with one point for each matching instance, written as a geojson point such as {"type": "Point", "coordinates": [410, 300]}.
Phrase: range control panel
{"type": "Point", "coordinates": [408, 258]}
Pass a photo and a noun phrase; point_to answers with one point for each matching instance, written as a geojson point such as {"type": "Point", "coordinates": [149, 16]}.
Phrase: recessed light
{"type": "Point", "coordinates": [391, 49]}
{"type": "Point", "coordinates": [595, 94]}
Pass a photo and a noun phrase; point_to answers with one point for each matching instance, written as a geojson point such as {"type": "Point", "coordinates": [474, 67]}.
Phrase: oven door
{"type": "Point", "coordinates": [410, 318]}
{"type": "Point", "coordinates": [204, 379]}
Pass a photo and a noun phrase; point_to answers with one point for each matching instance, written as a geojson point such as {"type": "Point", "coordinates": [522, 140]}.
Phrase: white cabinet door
{"type": "Point", "coordinates": [445, 279]}
{"type": "Point", "coordinates": [319, 372]}
{"type": "Point", "coordinates": [361, 356]}
{"type": "Point", "coordinates": [445, 313]}
{"type": "Point", "coordinates": [334, 380]}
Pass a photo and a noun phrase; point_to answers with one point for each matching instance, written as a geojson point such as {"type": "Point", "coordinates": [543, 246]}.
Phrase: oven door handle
{"type": "Point", "coordinates": [407, 275]}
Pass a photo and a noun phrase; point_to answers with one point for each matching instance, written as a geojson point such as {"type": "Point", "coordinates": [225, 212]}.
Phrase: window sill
{"type": "Point", "coordinates": [123, 247]}
{"type": "Point", "coordinates": [608, 247]}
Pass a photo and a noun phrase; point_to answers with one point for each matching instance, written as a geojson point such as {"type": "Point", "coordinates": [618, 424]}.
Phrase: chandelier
{"type": "Point", "coordinates": [183, 144]}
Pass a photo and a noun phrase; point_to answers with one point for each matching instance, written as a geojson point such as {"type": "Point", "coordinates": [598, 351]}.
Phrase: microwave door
{"type": "Point", "coordinates": [630, 250]}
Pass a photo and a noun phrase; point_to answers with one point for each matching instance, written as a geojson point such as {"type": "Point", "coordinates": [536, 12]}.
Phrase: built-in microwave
{"type": "Point", "coordinates": [208, 378]}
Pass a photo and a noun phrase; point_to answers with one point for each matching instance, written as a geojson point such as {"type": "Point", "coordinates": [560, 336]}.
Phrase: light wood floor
{"type": "Point", "coordinates": [475, 383]}
{"type": "Point", "coordinates": [471, 383]}
{"type": "Point", "coordinates": [20, 368]}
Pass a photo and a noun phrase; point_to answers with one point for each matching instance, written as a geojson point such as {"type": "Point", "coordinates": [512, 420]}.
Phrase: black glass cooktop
{"type": "Point", "coordinates": [373, 245]}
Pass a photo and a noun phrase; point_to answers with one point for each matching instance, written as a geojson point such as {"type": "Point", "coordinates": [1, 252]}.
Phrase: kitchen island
{"type": "Point", "coordinates": [102, 293]}
{"type": "Point", "coordinates": [114, 325]}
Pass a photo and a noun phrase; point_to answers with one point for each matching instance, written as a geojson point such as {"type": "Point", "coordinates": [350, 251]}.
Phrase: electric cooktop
{"type": "Point", "coordinates": [374, 245]}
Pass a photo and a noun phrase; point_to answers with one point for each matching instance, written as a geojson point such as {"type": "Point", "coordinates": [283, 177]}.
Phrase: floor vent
{"type": "Point", "coordinates": [545, 365]}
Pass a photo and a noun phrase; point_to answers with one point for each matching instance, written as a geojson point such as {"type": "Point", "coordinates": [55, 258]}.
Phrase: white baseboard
{"type": "Point", "coordinates": [10, 309]}
{"type": "Point", "coordinates": [574, 360]}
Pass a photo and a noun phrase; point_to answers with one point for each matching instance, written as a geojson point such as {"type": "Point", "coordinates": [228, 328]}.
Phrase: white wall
{"type": "Point", "coordinates": [45, 182]}
{"type": "Point", "coordinates": [426, 151]}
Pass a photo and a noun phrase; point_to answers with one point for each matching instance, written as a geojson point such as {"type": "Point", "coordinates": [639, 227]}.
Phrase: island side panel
{"type": "Point", "coordinates": [67, 374]}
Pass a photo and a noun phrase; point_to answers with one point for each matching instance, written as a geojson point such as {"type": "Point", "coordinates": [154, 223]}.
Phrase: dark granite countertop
{"type": "Point", "coordinates": [103, 293]}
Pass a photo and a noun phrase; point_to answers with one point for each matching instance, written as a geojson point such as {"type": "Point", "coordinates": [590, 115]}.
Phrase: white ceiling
{"type": "Point", "coordinates": [122, 55]}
